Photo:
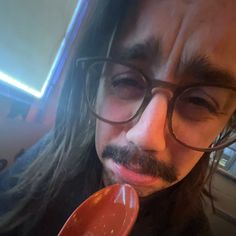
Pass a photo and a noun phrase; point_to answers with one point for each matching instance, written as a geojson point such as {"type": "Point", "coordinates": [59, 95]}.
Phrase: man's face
{"type": "Point", "coordinates": [168, 33]}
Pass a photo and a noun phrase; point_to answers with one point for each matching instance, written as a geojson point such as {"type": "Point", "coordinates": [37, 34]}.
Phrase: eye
{"type": "Point", "coordinates": [197, 104]}
{"type": "Point", "coordinates": [128, 79]}
{"type": "Point", "coordinates": [200, 103]}
{"type": "Point", "coordinates": [127, 83]}
{"type": "Point", "coordinates": [127, 86]}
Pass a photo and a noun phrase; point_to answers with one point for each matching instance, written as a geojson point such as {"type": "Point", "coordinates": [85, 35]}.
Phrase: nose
{"type": "Point", "coordinates": [150, 130]}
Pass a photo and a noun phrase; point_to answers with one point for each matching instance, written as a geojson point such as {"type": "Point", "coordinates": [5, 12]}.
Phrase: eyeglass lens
{"type": "Point", "coordinates": [120, 93]}
{"type": "Point", "coordinates": [200, 114]}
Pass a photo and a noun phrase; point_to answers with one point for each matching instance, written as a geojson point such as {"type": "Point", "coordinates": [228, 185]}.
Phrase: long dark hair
{"type": "Point", "coordinates": [70, 144]}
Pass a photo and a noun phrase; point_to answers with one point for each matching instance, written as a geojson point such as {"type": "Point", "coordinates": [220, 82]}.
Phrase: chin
{"type": "Point", "coordinates": [145, 191]}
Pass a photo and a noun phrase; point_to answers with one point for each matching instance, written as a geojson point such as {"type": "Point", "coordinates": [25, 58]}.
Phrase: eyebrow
{"type": "Point", "coordinates": [150, 49]}
{"type": "Point", "coordinates": [201, 69]}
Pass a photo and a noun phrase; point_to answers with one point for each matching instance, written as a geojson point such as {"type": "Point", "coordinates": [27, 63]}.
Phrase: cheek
{"type": "Point", "coordinates": [106, 134]}
{"type": "Point", "coordinates": [101, 137]}
{"type": "Point", "coordinates": [113, 109]}
{"type": "Point", "coordinates": [184, 160]}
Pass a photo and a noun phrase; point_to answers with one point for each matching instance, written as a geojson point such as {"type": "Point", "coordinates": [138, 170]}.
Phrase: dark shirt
{"type": "Point", "coordinates": [154, 216]}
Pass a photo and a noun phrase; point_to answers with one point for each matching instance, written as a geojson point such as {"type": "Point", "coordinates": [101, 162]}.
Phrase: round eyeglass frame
{"type": "Point", "coordinates": [177, 90]}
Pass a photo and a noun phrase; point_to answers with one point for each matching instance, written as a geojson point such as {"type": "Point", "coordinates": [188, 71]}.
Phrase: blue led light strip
{"type": "Point", "coordinates": [12, 81]}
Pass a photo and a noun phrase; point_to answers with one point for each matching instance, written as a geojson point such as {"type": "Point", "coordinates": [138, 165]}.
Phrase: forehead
{"type": "Point", "coordinates": [185, 29]}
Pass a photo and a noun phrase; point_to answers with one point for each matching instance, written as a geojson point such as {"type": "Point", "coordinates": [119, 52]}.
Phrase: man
{"type": "Point", "coordinates": [160, 100]}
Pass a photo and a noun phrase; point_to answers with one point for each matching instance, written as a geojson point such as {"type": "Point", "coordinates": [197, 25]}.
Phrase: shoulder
{"type": "Point", "coordinates": [9, 176]}
{"type": "Point", "coordinates": [198, 225]}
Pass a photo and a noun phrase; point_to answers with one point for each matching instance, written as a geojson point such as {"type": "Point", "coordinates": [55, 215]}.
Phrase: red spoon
{"type": "Point", "coordinates": [111, 211]}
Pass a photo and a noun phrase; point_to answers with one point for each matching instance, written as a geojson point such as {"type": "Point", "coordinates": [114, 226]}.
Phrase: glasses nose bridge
{"type": "Point", "coordinates": [163, 87]}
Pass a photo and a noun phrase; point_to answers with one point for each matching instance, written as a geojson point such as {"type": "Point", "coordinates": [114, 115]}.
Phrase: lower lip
{"type": "Point", "coordinates": [131, 177]}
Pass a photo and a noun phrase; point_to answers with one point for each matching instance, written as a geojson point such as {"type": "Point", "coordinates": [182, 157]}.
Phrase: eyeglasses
{"type": "Point", "coordinates": [200, 116]}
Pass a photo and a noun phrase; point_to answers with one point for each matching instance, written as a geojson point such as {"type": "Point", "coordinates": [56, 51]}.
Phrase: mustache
{"type": "Point", "coordinates": [139, 161]}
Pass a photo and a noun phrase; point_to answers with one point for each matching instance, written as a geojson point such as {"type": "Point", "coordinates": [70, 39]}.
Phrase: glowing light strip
{"type": "Point", "coordinates": [12, 81]}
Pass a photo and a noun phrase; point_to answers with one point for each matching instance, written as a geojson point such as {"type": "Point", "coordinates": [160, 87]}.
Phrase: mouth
{"type": "Point", "coordinates": [130, 175]}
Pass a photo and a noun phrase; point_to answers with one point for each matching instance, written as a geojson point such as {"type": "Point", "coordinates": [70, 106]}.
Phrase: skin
{"type": "Point", "coordinates": [186, 29]}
